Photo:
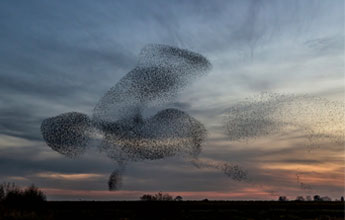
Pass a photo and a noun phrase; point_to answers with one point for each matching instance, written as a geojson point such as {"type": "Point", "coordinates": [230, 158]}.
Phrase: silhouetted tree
{"type": "Point", "coordinates": [178, 198]}
{"type": "Point", "coordinates": [2, 193]}
{"type": "Point", "coordinates": [163, 197]}
{"type": "Point", "coordinates": [147, 197]}
{"type": "Point", "coordinates": [10, 193]}
{"type": "Point", "coordinates": [317, 198]}
{"type": "Point", "coordinates": [282, 198]}
{"type": "Point", "coordinates": [33, 194]}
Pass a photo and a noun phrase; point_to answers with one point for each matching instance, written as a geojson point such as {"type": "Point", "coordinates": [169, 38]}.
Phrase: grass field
{"type": "Point", "coordinates": [175, 210]}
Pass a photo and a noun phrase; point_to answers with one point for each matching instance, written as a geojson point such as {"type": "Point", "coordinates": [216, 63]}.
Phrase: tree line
{"type": "Point", "coordinates": [11, 193]}
{"type": "Point", "coordinates": [160, 197]}
{"type": "Point", "coordinates": [316, 198]}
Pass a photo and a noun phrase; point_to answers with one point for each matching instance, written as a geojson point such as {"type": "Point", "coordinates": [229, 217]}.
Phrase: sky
{"type": "Point", "coordinates": [62, 56]}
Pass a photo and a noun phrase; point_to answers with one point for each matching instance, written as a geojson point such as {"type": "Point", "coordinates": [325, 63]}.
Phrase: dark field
{"type": "Point", "coordinates": [175, 210]}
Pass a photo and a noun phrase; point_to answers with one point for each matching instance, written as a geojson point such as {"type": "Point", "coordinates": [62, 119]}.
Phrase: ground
{"type": "Point", "coordinates": [175, 210]}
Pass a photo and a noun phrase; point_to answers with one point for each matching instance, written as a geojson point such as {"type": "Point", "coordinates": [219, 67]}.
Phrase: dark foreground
{"type": "Point", "coordinates": [175, 210]}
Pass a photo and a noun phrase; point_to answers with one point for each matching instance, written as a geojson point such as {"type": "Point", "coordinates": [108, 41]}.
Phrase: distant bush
{"type": "Point", "coordinates": [326, 198]}
{"type": "Point", "coordinates": [317, 198]}
{"type": "Point", "coordinates": [10, 193]}
{"type": "Point", "coordinates": [300, 198]}
{"type": "Point", "coordinates": [282, 198]}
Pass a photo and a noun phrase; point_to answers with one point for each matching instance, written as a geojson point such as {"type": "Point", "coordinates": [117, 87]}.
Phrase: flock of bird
{"type": "Point", "coordinates": [126, 134]}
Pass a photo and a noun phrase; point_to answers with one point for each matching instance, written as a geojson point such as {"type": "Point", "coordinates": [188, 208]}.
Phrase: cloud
{"type": "Point", "coordinates": [69, 177]}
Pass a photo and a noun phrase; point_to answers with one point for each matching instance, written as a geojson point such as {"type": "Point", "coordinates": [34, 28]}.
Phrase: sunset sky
{"type": "Point", "coordinates": [62, 56]}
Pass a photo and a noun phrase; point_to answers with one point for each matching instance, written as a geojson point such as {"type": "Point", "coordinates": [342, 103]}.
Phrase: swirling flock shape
{"type": "Point", "coordinates": [161, 72]}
